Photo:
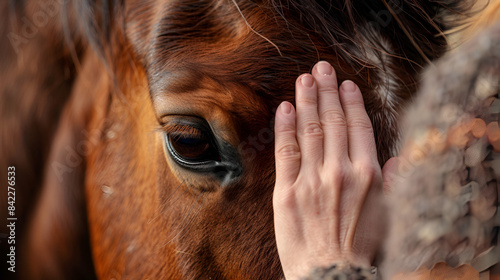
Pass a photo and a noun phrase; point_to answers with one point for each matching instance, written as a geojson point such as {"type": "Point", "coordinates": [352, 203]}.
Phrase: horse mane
{"type": "Point", "coordinates": [336, 22]}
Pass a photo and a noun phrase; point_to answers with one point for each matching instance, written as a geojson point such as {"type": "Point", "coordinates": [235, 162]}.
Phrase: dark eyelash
{"type": "Point", "coordinates": [184, 130]}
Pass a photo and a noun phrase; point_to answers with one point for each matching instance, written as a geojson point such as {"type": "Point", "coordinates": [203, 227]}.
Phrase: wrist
{"type": "Point", "coordinates": [343, 270]}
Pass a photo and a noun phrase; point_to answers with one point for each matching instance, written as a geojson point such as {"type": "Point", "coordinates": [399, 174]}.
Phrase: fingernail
{"type": "Point", "coordinates": [307, 80]}
{"type": "Point", "coordinates": [324, 68]}
{"type": "Point", "coordinates": [348, 86]}
{"type": "Point", "coordinates": [286, 108]}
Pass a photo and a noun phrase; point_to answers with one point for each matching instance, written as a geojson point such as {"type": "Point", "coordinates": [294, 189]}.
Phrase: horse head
{"type": "Point", "coordinates": [165, 150]}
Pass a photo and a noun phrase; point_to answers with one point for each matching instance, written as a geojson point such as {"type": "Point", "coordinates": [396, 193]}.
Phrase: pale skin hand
{"type": "Point", "coordinates": [328, 180]}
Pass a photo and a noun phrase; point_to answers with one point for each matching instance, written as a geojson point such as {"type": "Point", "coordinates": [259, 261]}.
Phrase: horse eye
{"type": "Point", "coordinates": [191, 145]}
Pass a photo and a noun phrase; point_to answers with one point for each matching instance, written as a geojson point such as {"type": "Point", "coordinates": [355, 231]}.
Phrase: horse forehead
{"type": "Point", "coordinates": [156, 25]}
{"type": "Point", "coordinates": [183, 44]}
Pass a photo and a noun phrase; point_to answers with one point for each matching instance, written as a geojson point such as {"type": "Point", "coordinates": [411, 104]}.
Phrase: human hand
{"type": "Point", "coordinates": [328, 180]}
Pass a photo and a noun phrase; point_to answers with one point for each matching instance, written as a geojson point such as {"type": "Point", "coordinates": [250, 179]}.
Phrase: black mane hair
{"type": "Point", "coordinates": [414, 28]}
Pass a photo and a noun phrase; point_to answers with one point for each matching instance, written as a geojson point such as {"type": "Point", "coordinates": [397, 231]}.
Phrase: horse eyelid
{"type": "Point", "coordinates": [188, 129]}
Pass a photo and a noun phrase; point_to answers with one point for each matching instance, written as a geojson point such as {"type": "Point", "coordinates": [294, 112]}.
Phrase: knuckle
{"type": "Point", "coordinates": [288, 151]}
{"type": "Point", "coordinates": [329, 90]}
{"type": "Point", "coordinates": [315, 181]}
{"type": "Point", "coordinates": [353, 101]}
{"type": "Point", "coordinates": [312, 184]}
{"type": "Point", "coordinates": [333, 117]}
{"type": "Point", "coordinates": [309, 101]}
{"type": "Point", "coordinates": [360, 123]}
{"type": "Point", "coordinates": [313, 128]}
{"type": "Point", "coordinates": [286, 128]}
{"type": "Point", "coordinates": [368, 172]}
{"type": "Point", "coordinates": [337, 174]}
{"type": "Point", "coordinates": [285, 199]}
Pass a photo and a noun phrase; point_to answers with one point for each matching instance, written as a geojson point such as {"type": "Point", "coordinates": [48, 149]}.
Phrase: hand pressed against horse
{"type": "Point", "coordinates": [327, 204]}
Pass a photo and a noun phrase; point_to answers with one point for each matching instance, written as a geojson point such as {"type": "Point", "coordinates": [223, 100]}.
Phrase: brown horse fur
{"type": "Point", "coordinates": [86, 98]}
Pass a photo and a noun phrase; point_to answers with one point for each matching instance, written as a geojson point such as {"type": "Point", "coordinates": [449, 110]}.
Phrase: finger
{"type": "Point", "coordinates": [361, 140]}
{"type": "Point", "coordinates": [287, 150]}
{"type": "Point", "coordinates": [389, 174]}
{"type": "Point", "coordinates": [310, 134]}
{"type": "Point", "coordinates": [331, 115]}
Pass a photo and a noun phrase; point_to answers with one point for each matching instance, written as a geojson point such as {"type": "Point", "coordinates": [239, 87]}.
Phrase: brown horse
{"type": "Point", "coordinates": [141, 131]}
